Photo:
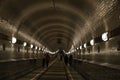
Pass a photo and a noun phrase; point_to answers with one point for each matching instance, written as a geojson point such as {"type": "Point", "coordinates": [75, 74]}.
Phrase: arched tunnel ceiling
{"type": "Point", "coordinates": [60, 23]}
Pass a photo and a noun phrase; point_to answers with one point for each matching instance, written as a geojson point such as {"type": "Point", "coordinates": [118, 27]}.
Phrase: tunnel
{"type": "Point", "coordinates": [86, 33]}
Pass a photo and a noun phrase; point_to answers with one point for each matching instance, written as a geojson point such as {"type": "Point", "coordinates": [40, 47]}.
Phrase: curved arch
{"type": "Point", "coordinates": [57, 25]}
{"type": "Point", "coordinates": [57, 35]}
{"type": "Point", "coordinates": [54, 28]}
{"type": "Point", "coordinates": [54, 34]}
{"type": "Point", "coordinates": [66, 26]}
{"type": "Point", "coordinates": [63, 40]}
{"type": "Point", "coordinates": [54, 40]}
{"type": "Point", "coordinates": [51, 19]}
{"type": "Point", "coordinates": [45, 5]}
{"type": "Point", "coordinates": [66, 43]}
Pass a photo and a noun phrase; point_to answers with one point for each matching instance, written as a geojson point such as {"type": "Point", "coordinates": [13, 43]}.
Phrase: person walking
{"type": "Point", "coordinates": [47, 59]}
{"type": "Point", "coordinates": [66, 59]}
{"type": "Point", "coordinates": [61, 56]}
{"type": "Point", "coordinates": [70, 59]}
{"type": "Point", "coordinates": [43, 61]}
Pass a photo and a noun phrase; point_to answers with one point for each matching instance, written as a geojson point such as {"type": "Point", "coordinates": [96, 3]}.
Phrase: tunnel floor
{"type": "Point", "coordinates": [57, 70]}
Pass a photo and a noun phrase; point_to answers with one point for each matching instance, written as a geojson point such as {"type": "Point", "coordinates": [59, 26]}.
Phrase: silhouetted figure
{"type": "Point", "coordinates": [47, 59]}
{"type": "Point", "coordinates": [66, 59]}
{"type": "Point", "coordinates": [61, 56]}
{"type": "Point", "coordinates": [70, 59]}
{"type": "Point", "coordinates": [43, 61]}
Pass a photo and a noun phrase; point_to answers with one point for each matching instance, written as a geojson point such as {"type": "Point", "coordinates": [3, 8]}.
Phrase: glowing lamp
{"type": "Point", "coordinates": [39, 48]}
{"type": "Point", "coordinates": [14, 40]}
{"type": "Point", "coordinates": [92, 42]}
{"type": "Point", "coordinates": [36, 47]}
{"type": "Point", "coordinates": [80, 47]}
{"type": "Point", "coordinates": [31, 46]}
{"type": "Point", "coordinates": [24, 44]}
{"type": "Point", "coordinates": [85, 45]}
{"type": "Point", "coordinates": [105, 36]}
{"type": "Point", "coordinates": [77, 48]}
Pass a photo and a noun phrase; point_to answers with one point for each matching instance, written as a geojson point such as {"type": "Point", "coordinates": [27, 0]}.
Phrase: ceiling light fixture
{"type": "Point", "coordinates": [14, 40]}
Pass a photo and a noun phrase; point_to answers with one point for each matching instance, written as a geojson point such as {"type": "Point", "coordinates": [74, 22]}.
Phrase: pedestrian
{"type": "Point", "coordinates": [43, 61]}
{"type": "Point", "coordinates": [61, 56]}
{"type": "Point", "coordinates": [66, 59]}
{"type": "Point", "coordinates": [47, 59]}
{"type": "Point", "coordinates": [70, 59]}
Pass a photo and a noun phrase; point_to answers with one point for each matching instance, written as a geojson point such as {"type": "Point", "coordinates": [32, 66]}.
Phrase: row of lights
{"type": "Point", "coordinates": [14, 40]}
{"type": "Point", "coordinates": [92, 42]}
